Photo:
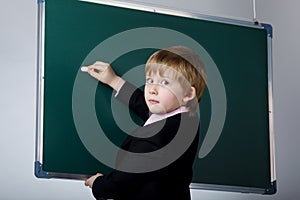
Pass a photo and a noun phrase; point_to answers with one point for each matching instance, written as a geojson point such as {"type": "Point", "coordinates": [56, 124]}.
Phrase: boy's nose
{"type": "Point", "coordinates": [153, 89]}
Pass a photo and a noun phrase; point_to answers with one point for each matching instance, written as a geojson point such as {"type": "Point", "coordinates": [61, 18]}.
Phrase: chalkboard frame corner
{"type": "Point", "coordinates": [39, 172]}
{"type": "Point", "coordinates": [273, 189]}
{"type": "Point", "coordinates": [268, 28]}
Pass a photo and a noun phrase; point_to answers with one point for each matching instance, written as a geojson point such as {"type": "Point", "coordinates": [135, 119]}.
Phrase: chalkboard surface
{"type": "Point", "coordinates": [236, 134]}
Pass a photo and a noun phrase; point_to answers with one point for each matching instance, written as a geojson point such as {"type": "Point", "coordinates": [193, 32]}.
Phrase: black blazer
{"type": "Point", "coordinates": [147, 176]}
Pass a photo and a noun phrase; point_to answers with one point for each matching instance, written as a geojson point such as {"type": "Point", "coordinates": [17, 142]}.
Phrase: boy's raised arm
{"type": "Point", "coordinates": [131, 96]}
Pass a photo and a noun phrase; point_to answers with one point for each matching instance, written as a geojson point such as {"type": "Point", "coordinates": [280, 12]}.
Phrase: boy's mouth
{"type": "Point", "coordinates": [153, 101]}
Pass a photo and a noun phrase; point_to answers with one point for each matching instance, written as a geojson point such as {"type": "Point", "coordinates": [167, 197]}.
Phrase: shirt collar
{"type": "Point", "coordinates": [157, 117]}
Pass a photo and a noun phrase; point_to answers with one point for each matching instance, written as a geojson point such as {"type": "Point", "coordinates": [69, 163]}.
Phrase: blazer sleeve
{"type": "Point", "coordinates": [115, 185]}
{"type": "Point", "coordinates": [134, 98]}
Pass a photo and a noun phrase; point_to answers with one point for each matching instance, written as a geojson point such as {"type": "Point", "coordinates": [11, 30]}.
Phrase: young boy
{"type": "Point", "coordinates": [167, 143]}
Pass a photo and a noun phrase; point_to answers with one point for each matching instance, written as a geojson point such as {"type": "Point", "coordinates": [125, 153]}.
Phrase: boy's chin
{"type": "Point", "coordinates": [158, 110]}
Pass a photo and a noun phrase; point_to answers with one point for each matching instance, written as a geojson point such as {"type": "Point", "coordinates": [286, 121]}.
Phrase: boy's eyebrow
{"type": "Point", "coordinates": [166, 76]}
{"type": "Point", "coordinates": [161, 75]}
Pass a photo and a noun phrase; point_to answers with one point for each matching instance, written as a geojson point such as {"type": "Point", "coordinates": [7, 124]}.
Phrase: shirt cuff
{"type": "Point", "coordinates": [118, 86]}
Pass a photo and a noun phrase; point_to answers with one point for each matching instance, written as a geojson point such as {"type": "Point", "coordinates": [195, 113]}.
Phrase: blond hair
{"type": "Point", "coordinates": [189, 67]}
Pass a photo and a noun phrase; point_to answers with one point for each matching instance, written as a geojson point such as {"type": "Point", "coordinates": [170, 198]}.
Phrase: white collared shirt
{"type": "Point", "coordinates": [157, 117]}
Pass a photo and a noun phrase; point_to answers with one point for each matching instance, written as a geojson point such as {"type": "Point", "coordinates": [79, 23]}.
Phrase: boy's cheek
{"type": "Point", "coordinates": [175, 91]}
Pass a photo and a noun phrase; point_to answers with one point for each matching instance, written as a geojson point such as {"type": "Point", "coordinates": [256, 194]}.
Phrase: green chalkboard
{"type": "Point", "coordinates": [236, 133]}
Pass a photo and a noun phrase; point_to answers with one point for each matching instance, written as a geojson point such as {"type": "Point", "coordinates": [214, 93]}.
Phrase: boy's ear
{"type": "Point", "coordinates": [190, 95]}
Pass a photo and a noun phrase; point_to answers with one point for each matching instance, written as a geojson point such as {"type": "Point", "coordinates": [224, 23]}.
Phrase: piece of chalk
{"type": "Point", "coordinates": [84, 69]}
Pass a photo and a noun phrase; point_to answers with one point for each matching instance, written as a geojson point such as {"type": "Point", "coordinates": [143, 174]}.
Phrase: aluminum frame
{"type": "Point", "coordinates": [162, 10]}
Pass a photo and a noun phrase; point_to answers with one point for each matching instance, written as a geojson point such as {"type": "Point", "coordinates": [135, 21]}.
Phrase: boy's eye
{"type": "Point", "coordinates": [164, 82]}
{"type": "Point", "coordinates": [149, 80]}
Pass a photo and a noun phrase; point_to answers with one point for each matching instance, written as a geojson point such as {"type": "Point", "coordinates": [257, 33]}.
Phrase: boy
{"type": "Point", "coordinates": [175, 82]}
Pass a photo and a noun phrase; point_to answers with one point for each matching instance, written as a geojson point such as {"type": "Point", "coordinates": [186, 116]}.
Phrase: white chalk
{"type": "Point", "coordinates": [84, 69]}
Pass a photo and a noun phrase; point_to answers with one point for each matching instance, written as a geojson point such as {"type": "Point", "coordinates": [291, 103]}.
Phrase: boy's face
{"type": "Point", "coordinates": [162, 93]}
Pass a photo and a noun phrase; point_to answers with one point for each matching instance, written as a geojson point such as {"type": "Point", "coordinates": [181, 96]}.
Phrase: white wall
{"type": "Point", "coordinates": [17, 102]}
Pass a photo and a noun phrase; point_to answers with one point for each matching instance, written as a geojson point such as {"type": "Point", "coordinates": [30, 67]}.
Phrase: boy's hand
{"type": "Point", "coordinates": [102, 72]}
{"type": "Point", "coordinates": [105, 74]}
{"type": "Point", "coordinates": [90, 181]}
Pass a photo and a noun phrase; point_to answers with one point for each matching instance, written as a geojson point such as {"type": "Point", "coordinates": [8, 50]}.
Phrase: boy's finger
{"type": "Point", "coordinates": [86, 182]}
{"type": "Point", "coordinates": [94, 73]}
{"type": "Point", "coordinates": [98, 68]}
{"type": "Point", "coordinates": [100, 65]}
{"type": "Point", "coordinates": [95, 70]}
